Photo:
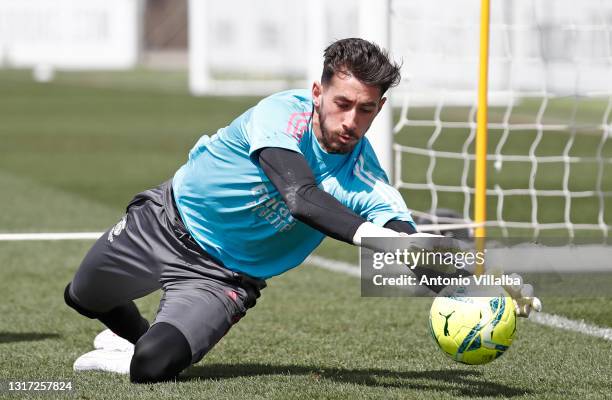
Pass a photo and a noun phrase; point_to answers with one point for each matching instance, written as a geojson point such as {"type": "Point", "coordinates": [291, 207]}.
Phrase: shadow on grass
{"type": "Point", "coordinates": [465, 382]}
{"type": "Point", "coordinates": [13, 337]}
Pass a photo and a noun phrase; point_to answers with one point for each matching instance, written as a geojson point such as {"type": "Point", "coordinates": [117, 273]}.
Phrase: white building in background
{"type": "Point", "coordinates": [258, 47]}
{"type": "Point", "coordinates": [69, 34]}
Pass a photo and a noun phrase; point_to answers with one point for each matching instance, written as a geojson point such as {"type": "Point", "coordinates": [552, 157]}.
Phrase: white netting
{"type": "Point", "coordinates": [550, 91]}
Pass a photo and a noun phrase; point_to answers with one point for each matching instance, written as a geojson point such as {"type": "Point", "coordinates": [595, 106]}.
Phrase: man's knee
{"type": "Point", "coordinates": [70, 301]}
{"type": "Point", "coordinates": [160, 355]}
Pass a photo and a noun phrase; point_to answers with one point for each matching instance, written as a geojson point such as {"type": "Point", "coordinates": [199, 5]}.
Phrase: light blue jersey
{"type": "Point", "coordinates": [235, 213]}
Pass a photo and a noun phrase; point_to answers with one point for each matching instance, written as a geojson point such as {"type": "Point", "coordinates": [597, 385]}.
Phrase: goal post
{"type": "Point", "coordinates": [480, 196]}
{"type": "Point", "coordinates": [374, 20]}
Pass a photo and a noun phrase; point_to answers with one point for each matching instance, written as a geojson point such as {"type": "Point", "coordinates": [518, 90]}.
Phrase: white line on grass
{"type": "Point", "coordinates": [550, 320]}
{"type": "Point", "coordinates": [557, 321]}
{"type": "Point", "coordinates": [49, 236]}
{"type": "Point", "coordinates": [332, 265]}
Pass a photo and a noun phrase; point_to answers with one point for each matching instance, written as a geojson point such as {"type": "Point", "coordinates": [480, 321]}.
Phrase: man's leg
{"type": "Point", "coordinates": [160, 355]}
{"type": "Point", "coordinates": [117, 269]}
{"type": "Point", "coordinates": [192, 318]}
{"type": "Point", "coordinates": [124, 320]}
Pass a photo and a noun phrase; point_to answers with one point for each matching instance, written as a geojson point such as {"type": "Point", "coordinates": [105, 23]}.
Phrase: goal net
{"type": "Point", "coordinates": [549, 163]}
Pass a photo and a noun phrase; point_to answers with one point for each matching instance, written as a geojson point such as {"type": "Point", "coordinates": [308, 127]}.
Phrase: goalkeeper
{"type": "Point", "coordinates": [251, 202]}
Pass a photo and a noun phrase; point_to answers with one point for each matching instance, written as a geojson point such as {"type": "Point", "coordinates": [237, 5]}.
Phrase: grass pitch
{"type": "Point", "coordinates": [72, 154]}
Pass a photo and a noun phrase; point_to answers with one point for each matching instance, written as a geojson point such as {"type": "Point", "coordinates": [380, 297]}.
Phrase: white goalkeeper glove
{"type": "Point", "coordinates": [523, 297]}
{"type": "Point", "coordinates": [368, 229]}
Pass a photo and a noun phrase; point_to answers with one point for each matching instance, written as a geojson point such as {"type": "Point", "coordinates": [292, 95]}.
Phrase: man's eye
{"type": "Point", "coordinates": [343, 106]}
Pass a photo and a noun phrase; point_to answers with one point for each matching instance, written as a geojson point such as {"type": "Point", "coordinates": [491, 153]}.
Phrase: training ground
{"type": "Point", "coordinates": [74, 151]}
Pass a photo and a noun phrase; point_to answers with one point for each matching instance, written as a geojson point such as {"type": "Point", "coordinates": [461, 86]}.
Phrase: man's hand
{"type": "Point", "coordinates": [523, 298]}
{"type": "Point", "coordinates": [522, 295]}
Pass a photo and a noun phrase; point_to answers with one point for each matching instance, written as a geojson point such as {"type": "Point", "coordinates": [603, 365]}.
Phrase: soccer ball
{"type": "Point", "coordinates": [473, 330]}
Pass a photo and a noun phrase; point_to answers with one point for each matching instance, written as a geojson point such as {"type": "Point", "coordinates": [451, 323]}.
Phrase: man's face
{"type": "Point", "coordinates": [344, 111]}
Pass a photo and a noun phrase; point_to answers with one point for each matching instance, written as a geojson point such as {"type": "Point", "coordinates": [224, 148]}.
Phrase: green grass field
{"type": "Point", "coordinates": [72, 154]}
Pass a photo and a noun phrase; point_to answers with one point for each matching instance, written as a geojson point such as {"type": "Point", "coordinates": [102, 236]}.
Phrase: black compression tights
{"type": "Point", "coordinates": [161, 352]}
{"type": "Point", "coordinates": [160, 355]}
{"type": "Point", "coordinates": [124, 320]}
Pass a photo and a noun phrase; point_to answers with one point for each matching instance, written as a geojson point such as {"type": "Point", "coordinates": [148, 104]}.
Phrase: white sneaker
{"type": "Point", "coordinates": [105, 360]}
{"type": "Point", "coordinates": [107, 340]}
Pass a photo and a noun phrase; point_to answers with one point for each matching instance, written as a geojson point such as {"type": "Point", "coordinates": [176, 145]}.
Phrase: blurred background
{"type": "Point", "coordinates": [101, 99]}
{"type": "Point", "coordinates": [105, 97]}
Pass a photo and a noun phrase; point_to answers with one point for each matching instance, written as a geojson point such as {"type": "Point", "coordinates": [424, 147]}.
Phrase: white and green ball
{"type": "Point", "coordinates": [473, 330]}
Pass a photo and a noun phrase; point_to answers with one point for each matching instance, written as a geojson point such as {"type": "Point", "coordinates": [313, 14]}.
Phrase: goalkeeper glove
{"type": "Point", "coordinates": [523, 297]}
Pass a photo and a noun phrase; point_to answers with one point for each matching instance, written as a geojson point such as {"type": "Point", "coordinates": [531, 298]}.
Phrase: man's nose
{"type": "Point", "coordinates": [349, 122]}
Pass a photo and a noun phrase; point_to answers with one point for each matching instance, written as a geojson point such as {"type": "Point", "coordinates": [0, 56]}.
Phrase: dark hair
{"type": "Point", "coordinates": [362, 59]}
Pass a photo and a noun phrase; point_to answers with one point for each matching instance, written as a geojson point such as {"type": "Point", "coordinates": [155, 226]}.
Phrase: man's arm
{"type": "Point", "coordinates": [293, 178]}
{"type": "Point", "coordinates": [291, 175]}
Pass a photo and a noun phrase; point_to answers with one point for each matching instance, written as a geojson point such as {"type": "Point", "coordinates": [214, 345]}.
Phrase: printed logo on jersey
{"type": "Point", "coordinates": [272, 209]}
{"type": "Point", "coordinates": [391, 196]}
{"type": "Point", "coordinates": [297, 125]}
{"type": "Point", "coordinates": [117, 229]}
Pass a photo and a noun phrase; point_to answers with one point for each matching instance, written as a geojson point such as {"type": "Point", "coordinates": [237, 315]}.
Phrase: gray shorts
{"type": "Point", "coordinates": [149, 249]}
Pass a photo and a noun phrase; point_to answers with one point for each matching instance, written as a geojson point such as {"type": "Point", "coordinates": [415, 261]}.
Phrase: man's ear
{"type": "Point", "coordinates": [317, 90]}
{"type": "Point", "coordinates": [380, 105]}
